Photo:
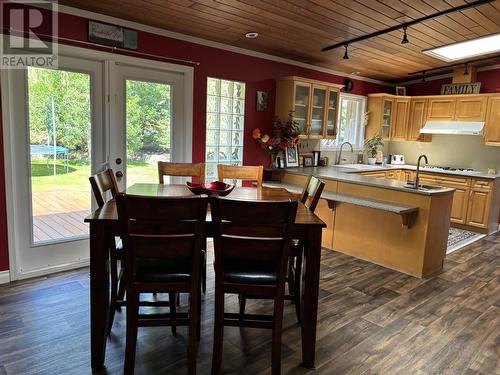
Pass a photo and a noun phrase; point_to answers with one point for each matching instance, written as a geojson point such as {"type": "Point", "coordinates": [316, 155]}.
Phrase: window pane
{"type": "Point", "coordinates": [225, 124]}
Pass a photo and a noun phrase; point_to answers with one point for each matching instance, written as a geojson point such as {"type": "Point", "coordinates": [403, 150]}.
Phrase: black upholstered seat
{"type": "Point", "coordinates": [162, 270]}
{"type": "Point", "coordinates": [250, 272]}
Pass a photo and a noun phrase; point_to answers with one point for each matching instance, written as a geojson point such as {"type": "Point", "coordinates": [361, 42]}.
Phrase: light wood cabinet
{"type": "Point", "coordinates": [479, 203]}
{"type": "Point", "coordinates": [471, 108]}
{"type": "Point", "coordinates": [441, 109]}
{"type": "Point", "coordinates": [492, 126]}
{"type": "Point", "coordinates": [380, 116]}
{"type": "Point", "coordinates": [314, 105]}
{"type": "Point", "coordinates": [401, 117]}
{"type": "Point", "coordinates": [380, 174]}
{"type": "Point", "coordinates": [417, 118]}
{"type": "Point", "coordinates": [393, 175]}
{"type": "Point", "coordinates": [460, 196]}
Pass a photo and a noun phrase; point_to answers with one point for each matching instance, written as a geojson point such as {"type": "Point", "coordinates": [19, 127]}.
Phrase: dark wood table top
{"type": "Point", "coordinates": [304, 216]}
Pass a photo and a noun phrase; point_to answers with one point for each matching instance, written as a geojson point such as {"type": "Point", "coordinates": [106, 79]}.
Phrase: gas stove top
{"type": "Point", "coordinates": [439, 168]}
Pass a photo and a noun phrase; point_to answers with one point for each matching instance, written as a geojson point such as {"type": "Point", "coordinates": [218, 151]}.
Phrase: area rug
{"type": "Point", "coordinates": [458, 238]}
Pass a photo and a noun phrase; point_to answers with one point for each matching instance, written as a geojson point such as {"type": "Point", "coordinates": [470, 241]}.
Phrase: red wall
{"type": "Point", "coordinates": [257, 73]}
{"type": "Point", "coordinates": [490, 83]}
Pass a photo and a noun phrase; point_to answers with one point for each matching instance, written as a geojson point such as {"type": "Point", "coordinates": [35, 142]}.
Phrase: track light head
{"type": "Point", "coordinates": [346, 56]}
{"type": "Point", "coordinates": [466, 72]}
{"type": "Point", "coordinates": [423, 76]}
{"type": "Point", "coordinates": [405, 36]}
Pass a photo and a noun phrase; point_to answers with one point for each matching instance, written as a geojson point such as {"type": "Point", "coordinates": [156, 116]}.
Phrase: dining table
{"type": "Point", "coordinates": [103, 224]}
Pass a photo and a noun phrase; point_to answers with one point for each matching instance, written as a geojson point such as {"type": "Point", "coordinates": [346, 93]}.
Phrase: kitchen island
{"type": "Point", "coordinates": [380, 220]}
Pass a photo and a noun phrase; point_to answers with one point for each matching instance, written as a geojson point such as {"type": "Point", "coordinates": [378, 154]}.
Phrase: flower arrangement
{"type": "Point", "coordinates": [283, 135]}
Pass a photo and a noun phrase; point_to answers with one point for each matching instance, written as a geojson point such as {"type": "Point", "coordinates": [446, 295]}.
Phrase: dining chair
{"type": "Point", "coordinates": [181, 170]}
{"type": "Point", "coordinates": [310, 198]}
{"type": "Point", "coordinates": [104, 187]}
{"type": "Point", "coordinates": [240, 172]}
{"type": "Point", "coordinates": [187, 170]}
{"type": "Point", "coordinates": [163, 239]}
{"type": "Point", "coordinates": [252, 245]}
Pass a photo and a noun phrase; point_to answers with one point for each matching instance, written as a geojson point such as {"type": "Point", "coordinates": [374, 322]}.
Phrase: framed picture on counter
{"type": "Point", "coordinates": [308, 161]}
{"type": "Point", "coordinates": [291, 157]}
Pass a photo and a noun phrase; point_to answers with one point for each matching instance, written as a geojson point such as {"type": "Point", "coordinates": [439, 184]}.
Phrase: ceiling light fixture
{"type": "Point", "coordinates": [423, 76]}
{"type": "Point", "coordinates": [470, 48]}
{"type": "Point", "coordinates": [466, 72]}
{"type": "Point", "coordinates": [405, 36]}
{"type": "Point", "coordinates": [251, 35]}
{"type": "Point", "coordinates": [346, 56]}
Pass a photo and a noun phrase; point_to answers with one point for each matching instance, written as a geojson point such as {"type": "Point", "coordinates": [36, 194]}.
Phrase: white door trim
{"type": "Point", "coordinates": [6, 92]}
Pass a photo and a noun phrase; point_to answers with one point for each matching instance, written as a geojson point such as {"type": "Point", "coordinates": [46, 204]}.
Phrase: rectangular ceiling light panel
{"type": "Point", "coordinates": [470, 48]}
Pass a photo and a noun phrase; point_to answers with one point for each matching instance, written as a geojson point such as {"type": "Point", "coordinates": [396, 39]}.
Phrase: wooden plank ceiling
{"type": "Point", "coordinates": [299, 29]}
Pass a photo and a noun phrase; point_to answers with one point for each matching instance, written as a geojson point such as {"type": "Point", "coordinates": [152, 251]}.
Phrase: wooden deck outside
{"type": "Point", "coordinates": [59, 214]}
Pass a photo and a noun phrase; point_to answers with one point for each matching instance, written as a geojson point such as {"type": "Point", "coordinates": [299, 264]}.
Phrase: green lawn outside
{"type": "Point", "coordinates": [77, 177]}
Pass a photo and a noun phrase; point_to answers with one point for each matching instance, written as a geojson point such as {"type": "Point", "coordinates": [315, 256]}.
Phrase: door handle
{"type": "Point", "coordinates": [119, 174]}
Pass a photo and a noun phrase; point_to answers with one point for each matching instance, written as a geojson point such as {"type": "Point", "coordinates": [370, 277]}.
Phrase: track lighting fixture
{"type": "Point", "coordinates": [346, 56]}
{"type": "Point", "coordinates": [423, 76]}
{"type": "Point", "coordinates": [466, 72]}
{"type": "Point", "coordinates": [405, 36]}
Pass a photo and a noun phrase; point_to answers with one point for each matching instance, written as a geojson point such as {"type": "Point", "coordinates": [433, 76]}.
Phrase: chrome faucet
{"type": "Point", "coordinates": [340, 152]}
{"type": "Point", "coordinates": [417, 177]}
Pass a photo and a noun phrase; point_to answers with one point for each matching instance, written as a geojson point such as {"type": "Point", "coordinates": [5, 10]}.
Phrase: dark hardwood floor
{"type": "Point", "coordinates": [371, 321]}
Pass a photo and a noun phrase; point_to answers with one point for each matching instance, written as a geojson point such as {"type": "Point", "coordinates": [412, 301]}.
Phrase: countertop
{"type": "Point", "coordinates": [374, 168]}
{"type": "Point", "coordinates": [346, 175]}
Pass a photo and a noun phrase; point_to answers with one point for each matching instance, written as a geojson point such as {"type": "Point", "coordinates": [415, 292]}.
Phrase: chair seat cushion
{"type": "Point", "coordinates": [162, 270]}
{"type": "Point", "coordinates": [250, 272]}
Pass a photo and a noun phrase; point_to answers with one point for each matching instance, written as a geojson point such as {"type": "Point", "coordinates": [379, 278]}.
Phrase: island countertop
{"type": "Point", "coordinates": [342, 174]}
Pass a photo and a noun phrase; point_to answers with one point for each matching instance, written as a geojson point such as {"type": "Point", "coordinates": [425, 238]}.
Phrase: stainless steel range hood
{"type": "Point", "coordinates": [453, 127]}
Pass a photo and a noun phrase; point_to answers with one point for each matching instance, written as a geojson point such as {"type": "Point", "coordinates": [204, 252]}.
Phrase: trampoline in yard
{"type": "Point", "coordinates": [51, 150]}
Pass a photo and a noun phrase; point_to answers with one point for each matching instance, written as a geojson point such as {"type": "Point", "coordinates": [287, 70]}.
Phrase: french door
{"type": "Point", "coordinates": [147, 122]}
{"type": "Point", "coordinates": [53, 141]}
{"type": "Point", "coordinates": [62, 125]}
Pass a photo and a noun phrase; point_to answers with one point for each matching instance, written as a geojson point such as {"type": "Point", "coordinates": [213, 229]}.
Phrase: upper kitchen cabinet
{"type": "Point", "coordinates": [314, 105]}
{"type": "Point", "coordinates": [441, 109]}
{"type": "Point", "coordinates": [457, 108]}
{"type": "Point", "coordinates": [417, 118]}
{"type": "Point", "coordinates": [492, 126]}
{"type": "Point", "coordinates": [401, 116]}
{"type": "Point", "coordinates": [388, 115]}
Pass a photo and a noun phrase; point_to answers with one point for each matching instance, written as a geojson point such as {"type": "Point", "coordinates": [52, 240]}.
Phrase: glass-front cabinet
{"type": "Point", "coordinates": [387, 119]}
{"type": "Point", "coordinates": [331, 114]}
{"type": "Point", "coordinates": [314, 105]}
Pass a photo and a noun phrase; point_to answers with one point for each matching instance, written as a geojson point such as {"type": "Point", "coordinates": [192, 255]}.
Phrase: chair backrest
{"type": "Point", "coordinates": [313, 188]}
{"type": "Point", "coordinates": [258, 232]}
{"type": "Point", "coordinates": [101, 183]}
{"type": "Point", "coordinates": [168, 228]}
{"type": "Point", "coordinates": [182, 170]}
{"type": "Point", "coordinates": [237, 172]}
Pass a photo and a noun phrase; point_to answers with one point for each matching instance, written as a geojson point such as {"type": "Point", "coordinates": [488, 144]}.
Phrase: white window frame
{"type": "Point", "coordinates": [334, 144]}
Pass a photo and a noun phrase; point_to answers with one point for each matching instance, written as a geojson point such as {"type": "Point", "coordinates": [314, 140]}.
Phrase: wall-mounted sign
{"type": "Point", "coordinates": [460, 88]}
{"type": "Point", "coordinates": [111, 35]}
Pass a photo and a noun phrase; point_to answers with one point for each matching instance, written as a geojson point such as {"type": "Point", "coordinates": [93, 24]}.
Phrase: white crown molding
{"type": "Point", "coordinates": [447, 75]}
{"type": "Point", "coordinates": [205, 42]}
{"type": "Point", "coordinates": [4, 277]}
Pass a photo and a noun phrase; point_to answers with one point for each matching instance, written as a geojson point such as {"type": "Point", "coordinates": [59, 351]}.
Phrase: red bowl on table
{"type": "Point", "coordinates": [213, 189]}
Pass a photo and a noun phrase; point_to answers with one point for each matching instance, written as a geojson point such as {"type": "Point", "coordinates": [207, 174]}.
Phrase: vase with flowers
{"type": "Point", "coordinates": [284, 135]}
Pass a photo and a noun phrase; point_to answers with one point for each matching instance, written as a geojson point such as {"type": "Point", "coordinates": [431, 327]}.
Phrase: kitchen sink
{"type": "Point", "coordinates": [423, 187]}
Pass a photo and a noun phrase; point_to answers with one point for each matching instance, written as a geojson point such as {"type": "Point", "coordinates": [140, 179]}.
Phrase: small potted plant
{"type": "Point", "coordinates": [371, 146]}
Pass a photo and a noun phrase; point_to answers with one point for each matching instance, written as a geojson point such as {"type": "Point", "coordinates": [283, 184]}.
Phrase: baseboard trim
{"type": "Point", "coordinates": [53, 269]}
{"type": "Point", "coordinates": [4, 277]}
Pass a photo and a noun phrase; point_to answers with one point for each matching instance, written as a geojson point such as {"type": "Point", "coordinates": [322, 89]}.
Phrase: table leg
{"type": "Point", "coordinates": [99, 294]}
{"type": "Point", "coordinates": [311, 268]}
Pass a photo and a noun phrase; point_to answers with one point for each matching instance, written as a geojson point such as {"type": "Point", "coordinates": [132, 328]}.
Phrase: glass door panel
{"type": "Point", "coordinates": [387, 119]}
{"type": "Point", "coordinates": [301, 115]}
{"type": "Point", "coordinates": [331, 121]}
{"type": "Point", "coordinates": [318, 111]}
{"type": "Point", "coordinates": [148, 107]}
{"type": "Point", "coordinates": [59, 116]}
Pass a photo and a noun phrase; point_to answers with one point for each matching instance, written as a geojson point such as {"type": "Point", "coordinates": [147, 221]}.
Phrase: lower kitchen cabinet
{"type": "Point", "coordinates": [479, 204]}
{"type": "Point", "coordinates": [375, 174]}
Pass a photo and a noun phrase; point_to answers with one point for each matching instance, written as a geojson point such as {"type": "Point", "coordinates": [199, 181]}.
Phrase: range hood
{"type": "Point", "coordinates": [453, 127]}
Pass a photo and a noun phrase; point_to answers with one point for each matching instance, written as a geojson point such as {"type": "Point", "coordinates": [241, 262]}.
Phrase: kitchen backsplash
{"type": "Point", "coordinates": [460, 151]}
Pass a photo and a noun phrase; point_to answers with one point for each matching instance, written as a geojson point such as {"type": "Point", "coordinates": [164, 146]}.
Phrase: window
{"type": "Point", "coordinates": [351, 123]}
{"type": "Point", "coordinates": [225, 125]}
